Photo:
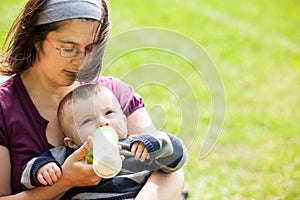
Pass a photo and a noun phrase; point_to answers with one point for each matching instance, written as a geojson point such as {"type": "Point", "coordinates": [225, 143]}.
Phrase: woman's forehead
{"type": "Point", "coordinates": [78, 31]}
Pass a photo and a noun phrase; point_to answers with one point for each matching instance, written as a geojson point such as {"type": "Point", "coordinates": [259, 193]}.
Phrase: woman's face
{"type": "Point", "coordinates": [74, 35]}
{"type": "Point", "coordinates": [82, 117]}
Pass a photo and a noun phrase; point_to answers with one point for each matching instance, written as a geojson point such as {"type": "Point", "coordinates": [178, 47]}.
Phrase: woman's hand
{"type": "Point", "coordinates": [76, 171]}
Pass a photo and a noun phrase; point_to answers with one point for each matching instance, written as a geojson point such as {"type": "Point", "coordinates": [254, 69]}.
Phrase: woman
{"type": "Point", "coordinates": [52, 50]}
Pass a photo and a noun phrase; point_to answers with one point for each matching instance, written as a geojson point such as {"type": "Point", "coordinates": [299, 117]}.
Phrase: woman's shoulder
{"type": "Point", "coordinates": [124, 92]}
{"type": "Point", "coordinates": [109, 81]}
{"type": "Point", "coordinates": [103, 80]}
{"type": "Point", "coordinates": [3, 79]}
{"type": "Point", "coordinates": [6, 87]}
{"type": "Point", "coordinates": [117, 86]}
{"type": "Point", "coordinates": [12, 93]}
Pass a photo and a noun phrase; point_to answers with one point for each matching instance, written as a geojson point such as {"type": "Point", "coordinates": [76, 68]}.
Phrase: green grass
{"type": "Point", "coordinates": [255, 47]}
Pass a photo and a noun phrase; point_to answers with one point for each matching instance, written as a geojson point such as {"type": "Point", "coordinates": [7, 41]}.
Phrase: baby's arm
{"type": "Point", "coordinates": [49, 173]}
{"type": "Point", "coordinates": [32, 170]}
{"type": "Point", "coordinates": [163, 151]}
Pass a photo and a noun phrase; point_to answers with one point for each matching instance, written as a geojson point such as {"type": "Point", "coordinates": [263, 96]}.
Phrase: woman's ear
{"type": "Point", "coordinates": [37, 45]}
{"type": "Point", "coordinates": [70, 143]}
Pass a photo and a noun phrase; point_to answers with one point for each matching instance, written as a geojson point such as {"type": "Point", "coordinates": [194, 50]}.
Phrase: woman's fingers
{"type": "Point", "coordinates": [80, 153]}
{"type": "Point", "coordinates": [76, 171]}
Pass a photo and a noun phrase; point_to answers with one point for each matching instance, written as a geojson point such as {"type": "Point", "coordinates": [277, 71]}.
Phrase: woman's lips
{"type": "Point", "coordinates": [71, 73]}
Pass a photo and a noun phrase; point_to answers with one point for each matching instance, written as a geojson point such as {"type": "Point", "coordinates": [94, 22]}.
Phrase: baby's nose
{"type": "Point", "coordinates": [100, 124]}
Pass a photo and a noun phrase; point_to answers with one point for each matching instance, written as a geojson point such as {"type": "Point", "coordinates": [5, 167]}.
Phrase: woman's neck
{"type": "Point", "coordinates": [39, 87]}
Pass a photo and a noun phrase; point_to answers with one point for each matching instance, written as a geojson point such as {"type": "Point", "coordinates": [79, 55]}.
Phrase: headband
{"type": "Point", "coordinates": [58, 10]}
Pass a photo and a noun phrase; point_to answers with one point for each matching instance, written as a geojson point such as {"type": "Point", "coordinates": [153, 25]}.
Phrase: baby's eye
{"type": "Point", "coordinates": [110, 112]}
{"type": "Point", "coordinates": [87, 121]}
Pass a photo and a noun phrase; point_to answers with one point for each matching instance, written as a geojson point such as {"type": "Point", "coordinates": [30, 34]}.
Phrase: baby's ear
{"type": "Point", "coordinates": [70, 143]}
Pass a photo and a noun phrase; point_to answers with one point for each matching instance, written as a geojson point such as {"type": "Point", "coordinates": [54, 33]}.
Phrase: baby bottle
{"type": "Point", "coordinates": [106, 156]}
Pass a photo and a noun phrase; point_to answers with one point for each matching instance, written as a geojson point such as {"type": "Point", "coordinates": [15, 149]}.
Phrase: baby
{"type": "Point", "coordinates": [80, 113]}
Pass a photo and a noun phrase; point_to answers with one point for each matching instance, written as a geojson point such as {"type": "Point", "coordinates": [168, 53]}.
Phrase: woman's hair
{"type": "Point", "coordinates": [24, 35]}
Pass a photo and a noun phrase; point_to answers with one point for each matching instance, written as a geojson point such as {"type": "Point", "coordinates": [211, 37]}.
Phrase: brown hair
{"type": "Point", "coordinates": [24, 34]}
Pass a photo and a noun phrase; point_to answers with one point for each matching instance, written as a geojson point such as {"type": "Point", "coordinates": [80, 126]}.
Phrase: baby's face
{"type": "Point", "coordinates": [98, 110]}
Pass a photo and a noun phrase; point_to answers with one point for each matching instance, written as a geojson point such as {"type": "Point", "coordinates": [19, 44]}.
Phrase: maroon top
{"type": "Point", "coordinates": [23, 129]}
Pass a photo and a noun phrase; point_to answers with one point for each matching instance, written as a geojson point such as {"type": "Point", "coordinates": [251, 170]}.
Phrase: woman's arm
{"type": "Point", "coordinates": [139, 122]}
{"type": "Point", "coordinates": [5, 171]}
{"type": "Point", "coordinates": [162, 186]}
{"type": "Point", "coordinates": [159, 184]}
{"type": "Point", "coordinates": [76, 172]}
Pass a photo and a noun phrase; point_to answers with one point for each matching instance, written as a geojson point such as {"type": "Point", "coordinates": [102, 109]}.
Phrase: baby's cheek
{"type": "Point", "coordinates": [82, 139]}
{"type": "Point", "coordinates": [121, 128]}
{"type": "Point", "coordinates": [121, 131]}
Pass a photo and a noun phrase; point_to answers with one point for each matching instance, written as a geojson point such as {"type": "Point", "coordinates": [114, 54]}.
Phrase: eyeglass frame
{"type": "Point", "coordinates": [62, 49]}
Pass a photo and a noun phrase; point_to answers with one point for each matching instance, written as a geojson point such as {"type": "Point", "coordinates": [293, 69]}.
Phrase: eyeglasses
{"type": "Point", "coordinates": [68, 52]}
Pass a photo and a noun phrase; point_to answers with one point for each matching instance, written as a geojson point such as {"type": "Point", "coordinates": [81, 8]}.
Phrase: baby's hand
{"type": "Point", "coordinates": [139, 151]}
{"type": "Point", "coordinates": [49, 174]}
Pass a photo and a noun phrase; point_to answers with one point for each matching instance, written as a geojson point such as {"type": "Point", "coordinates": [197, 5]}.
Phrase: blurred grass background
{"type": "Point", "coordinates": [255, 47]}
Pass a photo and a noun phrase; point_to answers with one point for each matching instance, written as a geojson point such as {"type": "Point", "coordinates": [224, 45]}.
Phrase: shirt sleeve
{"type": "Point", "coordinates": [166, 151]}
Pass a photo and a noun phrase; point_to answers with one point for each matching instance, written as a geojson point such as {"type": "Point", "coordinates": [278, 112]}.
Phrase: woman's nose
{"type": "Point", "coordinates": [100, 124]}
{"type": "Point", "coordinates": [78, 60]}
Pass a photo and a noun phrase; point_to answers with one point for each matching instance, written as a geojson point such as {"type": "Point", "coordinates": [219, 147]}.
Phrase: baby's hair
{"type": "Point", "coordinates": [78, 94]}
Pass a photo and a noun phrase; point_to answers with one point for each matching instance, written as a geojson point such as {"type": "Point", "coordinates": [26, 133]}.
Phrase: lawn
{"type": "Point", "coordinates": [202, 56]}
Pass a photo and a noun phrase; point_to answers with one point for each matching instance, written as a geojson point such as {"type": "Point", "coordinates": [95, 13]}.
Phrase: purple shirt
{"type": "Point", "coordinates": [23, 129]}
